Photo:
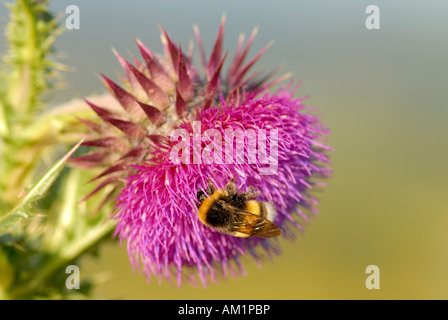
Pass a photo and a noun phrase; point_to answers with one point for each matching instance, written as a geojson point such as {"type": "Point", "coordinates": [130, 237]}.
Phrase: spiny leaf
{"type": "Point", "coordinates": [36, 191]}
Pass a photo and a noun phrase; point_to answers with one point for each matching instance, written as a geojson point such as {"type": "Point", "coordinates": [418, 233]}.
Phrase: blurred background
{"type": "Point", "coordinates": [383, 94]}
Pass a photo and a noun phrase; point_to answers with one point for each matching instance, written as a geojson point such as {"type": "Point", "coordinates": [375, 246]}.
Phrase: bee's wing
{"type": "Point", "coordinates": [253, 225]}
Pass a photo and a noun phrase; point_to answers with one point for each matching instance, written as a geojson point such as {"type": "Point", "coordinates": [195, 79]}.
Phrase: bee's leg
{"type": "Point", "coordinates": [201, 195]}
{"type": "Point", "coordinates": [252, 193]}
{"type": "Point", "coordinates": [242, 198]}
{"type": "Point", "coordinates": [231, 187]}
{"type": "Point", "coordinates": [210, 188]}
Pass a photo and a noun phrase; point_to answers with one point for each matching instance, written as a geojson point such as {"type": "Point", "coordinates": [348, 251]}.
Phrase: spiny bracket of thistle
{"type": "Point", "coordinates": [156, 208]}
{"type": "Point", "coordinates": [157, 94]}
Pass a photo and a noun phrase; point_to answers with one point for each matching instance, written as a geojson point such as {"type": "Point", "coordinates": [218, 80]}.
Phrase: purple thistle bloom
{"type": "Point", "coordinates": [157, 208]}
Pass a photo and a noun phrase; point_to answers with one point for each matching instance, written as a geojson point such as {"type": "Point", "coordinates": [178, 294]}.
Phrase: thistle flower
{"type": "Point", "coordinates": [157, 205]}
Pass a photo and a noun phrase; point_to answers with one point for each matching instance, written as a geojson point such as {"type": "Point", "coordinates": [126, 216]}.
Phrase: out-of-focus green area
{"type": "Point", "coordinates": [383, 95]}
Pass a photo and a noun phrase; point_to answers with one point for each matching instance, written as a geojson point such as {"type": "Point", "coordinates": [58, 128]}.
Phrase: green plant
{"type": "Point", "coordinates": [44, 227]}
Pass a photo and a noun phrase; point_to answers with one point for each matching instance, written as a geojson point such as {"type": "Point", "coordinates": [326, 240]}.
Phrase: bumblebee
{"type": "Point", "coordinates": [237, 213]}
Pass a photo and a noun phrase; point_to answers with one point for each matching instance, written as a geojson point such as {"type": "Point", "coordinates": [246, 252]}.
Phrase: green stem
{"type": "Point", "coordinates": [9, 219]}
{"type": "Point", "coordinates": [3, 123]}
{"type": "Point", "coordinates": [65, 255]}
{"type": "Point", "coordinates": [22, 96]}
{"type": "Point", "coordinates": [72, 251]}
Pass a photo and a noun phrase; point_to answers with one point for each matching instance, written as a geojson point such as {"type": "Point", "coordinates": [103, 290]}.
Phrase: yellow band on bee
{"type": "Point", "coordinates": [253, 206]}
{"type": "Point", "coordinates": [207, 203]}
